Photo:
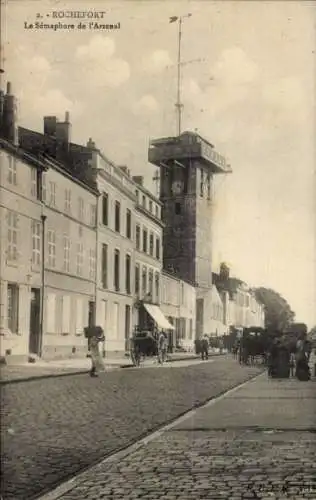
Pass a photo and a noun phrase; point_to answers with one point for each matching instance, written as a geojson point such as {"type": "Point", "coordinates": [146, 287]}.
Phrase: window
{"type": "Point", "coordinates": [52, 193]}
{"type": "Point", "coordinates": [137, 237]}
{"type": "Point", "coordinates": [144, 280]}
{"type": "Point", "coordinates": [51, 313]}
{"type": "Point", "coordinates": [92, 264]}
{"type": "Point", "coordinates": [51, 240]}
{"type": "Point", "coordinates": [67, 201]}
{"type": "Point", "coordinates": [13, 308]}
{"type": "Point", "coordinates": [105, 209]}
{"type": "Point", "coordinates": [202, 182]}
{"type": "Point", "coordinates": [208, 186]}
{"type": "Point", "coordinates": [104, 271]}
{"type": "Point", "coordinates": [157, 287]}
{"type": "Point", "coordinates": [151, 283]}
{"type": "Point", "coordinates": [128, 224]}
{"type": "Point", "coordinates": [79, 259]}
{"type": "Point", "coordinates": [117, 270]}
{"type": "Point", "coordinates": [12, 179]}
{"type": "Point", "coordinates": [117, 216]}
{"type": "Point", "coordinates": [157, 248]}
{"type": "Point", "coordinates": [177, 208]}
{"type": "Point", "coordinates": [66, 264]}
{"type": "Point", "coordinates": [36, 243]}
{"type": "Point", "coordinates": [137, 195]}
{"type": "Point", "coordinates": [144, 240]}
{"type": "Point", "coordinates": [151, 244]}
{"type": "Point", "coordinates": [44, 186]}
{"type": "Point", "coordinates": [191, 329]}
{"type": "Point", "coordinates": [65, 314]}
{"type": "Point", "coordinates": [12, 248]}
{"type": "Point", "coordinates": [36, 183]}
{"type": "Point", "coordinates": [128, 273]}
{"type": "Point", "coordinates": [33, 182]}
{"type": "Point", "coordinates": [137, 278]}
{"type": "Point", "coordinates": [150, 206]}
{"type": "Point", "coordinates": [80, 209]}
{"type": "Point", "coordinates": [157, 211]}
{"type": "Point", "coordinates": [144, 201]}
{"type": "Point", "coordinates": [93, 213]}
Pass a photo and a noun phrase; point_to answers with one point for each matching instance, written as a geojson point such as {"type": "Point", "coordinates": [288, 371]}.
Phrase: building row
{"type": "Point", "coordinates": [82, 243]}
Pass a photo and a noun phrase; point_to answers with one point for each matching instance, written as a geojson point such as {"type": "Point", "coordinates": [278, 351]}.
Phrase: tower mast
{"type": "Point", "coordinates": [178, 104]}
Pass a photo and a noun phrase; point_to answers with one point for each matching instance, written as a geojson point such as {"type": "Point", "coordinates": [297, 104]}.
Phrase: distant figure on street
{"type": "Point", "coordinates": [204, 347]}
{"type": "Point", "coordinates": [94, 344]}
{"type": "Point", "coordinates": [302, 358]}
{"type": "Point", "coordinates": [162, 348]}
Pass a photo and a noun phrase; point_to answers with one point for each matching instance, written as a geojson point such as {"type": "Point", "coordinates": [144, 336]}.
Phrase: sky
{"type": "Point", "coordinates": [248, 86]}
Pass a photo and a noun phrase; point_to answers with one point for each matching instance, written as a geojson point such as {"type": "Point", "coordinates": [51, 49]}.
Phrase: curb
{"type": "Point", "coordinates": [84, 371]}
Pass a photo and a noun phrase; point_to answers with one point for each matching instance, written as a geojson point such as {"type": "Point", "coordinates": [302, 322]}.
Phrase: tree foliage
{"type": "Point", "coordinates": [278, 313]}
{"type": "Point", "coordinates": [312, 333]}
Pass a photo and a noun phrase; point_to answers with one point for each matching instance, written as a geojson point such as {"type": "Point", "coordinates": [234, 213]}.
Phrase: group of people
{"type": "Point", "coordinates": [284, 361]}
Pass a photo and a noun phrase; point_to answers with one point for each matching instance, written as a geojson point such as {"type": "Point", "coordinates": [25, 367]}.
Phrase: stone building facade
{"type": "Point", "coordinates": [48, 248]}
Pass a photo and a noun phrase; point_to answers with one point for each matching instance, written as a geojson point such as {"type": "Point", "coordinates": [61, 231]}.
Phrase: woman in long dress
{"type": "Point", "coordinates": [97, 364]}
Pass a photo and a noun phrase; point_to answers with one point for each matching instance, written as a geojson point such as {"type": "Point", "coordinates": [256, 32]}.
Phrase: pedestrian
{"type": "Point", "coordinates": [302, 357]}
{"type": "Point", "coordinates": [162, 347]}
{"type": "Point", "coordinates": [95, 342]}
{"type": "Point", "coordinates": [204, 347]}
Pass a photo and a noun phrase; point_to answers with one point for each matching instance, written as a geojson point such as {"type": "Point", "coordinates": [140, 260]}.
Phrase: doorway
{"type": "Point", "coordinates": [127, 326]}
{"type": "Point", "coordinates": [35, 322]}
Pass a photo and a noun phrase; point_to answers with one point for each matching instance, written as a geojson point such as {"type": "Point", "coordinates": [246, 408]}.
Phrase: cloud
{"type": "Point", "coordinates": [234, 67]}
{"type": "Point", "coordinates": [99, 64]}
{"type": "Point", "coordinates": [146, 104]}
{"type": "Point", "coordinates": [36, 89]}
{"type": "Point", "coordinates": [157, 62]}
{"type": "Point", "coordinates": [56, 103]}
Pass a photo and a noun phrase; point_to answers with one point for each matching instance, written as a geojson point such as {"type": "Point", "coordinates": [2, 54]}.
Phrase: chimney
{"type": "Point", "coordinates": [63, 130]}
{"type": "Point", "coordinates": [224, 272]}
{"type": "Point", "coordinates": [139, 179]}
{"type": "Point", "coordinates": [50, 125]}
{"type": "Point", "coordinates": [9, 118]}
{"type": "Point", "coordinates": [91, 144]}
{"type": "Point", "coordinates": [125, 170]}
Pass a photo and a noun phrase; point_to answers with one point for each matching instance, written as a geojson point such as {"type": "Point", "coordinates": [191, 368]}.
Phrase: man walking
{"type": "Point", "coordinates": [204, 347]}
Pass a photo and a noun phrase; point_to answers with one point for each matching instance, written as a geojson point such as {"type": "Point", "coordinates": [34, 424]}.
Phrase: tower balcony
{"type": "Point", "coordinates": [188, 146]}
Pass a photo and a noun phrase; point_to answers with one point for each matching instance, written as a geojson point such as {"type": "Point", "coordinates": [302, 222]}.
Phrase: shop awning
{"type": "Point", "coordinates": [158, 317]}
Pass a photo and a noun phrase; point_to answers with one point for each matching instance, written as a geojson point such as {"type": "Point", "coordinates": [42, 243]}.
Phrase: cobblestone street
{"type": "Point", "coordinates": [53, 428]}
{"type": "Point", "coordinates": [257, 442]}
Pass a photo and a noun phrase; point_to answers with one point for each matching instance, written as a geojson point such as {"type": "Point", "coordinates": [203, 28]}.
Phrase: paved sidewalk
{"type": "Point", "coordinates": [258, 441]}
{"type": "Point", "coordinates": [42, 369]}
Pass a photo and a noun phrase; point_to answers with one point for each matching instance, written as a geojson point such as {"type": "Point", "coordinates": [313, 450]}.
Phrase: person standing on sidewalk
{"type": "Point", "coordinates": [162, 347]}
{"type": "Point", "coordinates": [204, 347]}
{"type": "Point", "coordinates": [95, 341]}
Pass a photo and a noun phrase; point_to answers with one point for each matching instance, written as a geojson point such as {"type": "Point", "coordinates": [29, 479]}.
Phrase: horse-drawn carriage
{"type": "Point", "coordinates": [142, 344]}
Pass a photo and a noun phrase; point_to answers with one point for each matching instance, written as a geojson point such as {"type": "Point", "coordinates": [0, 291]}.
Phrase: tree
{"type": "Point", "coordinates": [312, 333]}
{"type": "Point", "coordinates": [278, 313]}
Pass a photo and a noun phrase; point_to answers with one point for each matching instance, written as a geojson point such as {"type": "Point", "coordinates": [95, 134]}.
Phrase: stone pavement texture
{"type": "Point", "coordinates": [43, 369]}
{"type": "Point", "coordinates": [257, 442]}
{"type": "Point", "coordinates": [53, 428]}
